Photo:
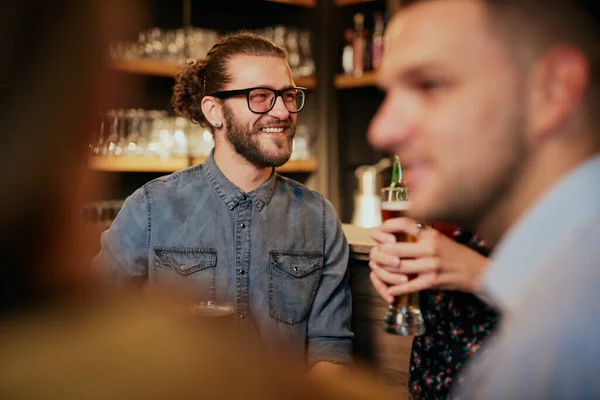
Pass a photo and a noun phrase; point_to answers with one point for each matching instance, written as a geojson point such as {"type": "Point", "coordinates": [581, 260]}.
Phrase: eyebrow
{"type": "Point", "coordinates": [270, 87]}
{"type": "Point", "coordinates": [418, 71]}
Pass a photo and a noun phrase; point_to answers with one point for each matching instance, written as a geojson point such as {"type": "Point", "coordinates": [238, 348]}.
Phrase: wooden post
{"type": "Point", "coordinates": [326, 33]}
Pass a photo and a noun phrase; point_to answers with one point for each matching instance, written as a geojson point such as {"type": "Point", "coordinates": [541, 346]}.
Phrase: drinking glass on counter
{"type": "Point", "coordinates": [216, 311]}
{"type": "Point", "coordinates": [404, 314]}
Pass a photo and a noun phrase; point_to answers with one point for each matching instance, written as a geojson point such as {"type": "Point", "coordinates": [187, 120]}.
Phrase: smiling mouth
{"type": "Point", "coordinates": [272, 130]}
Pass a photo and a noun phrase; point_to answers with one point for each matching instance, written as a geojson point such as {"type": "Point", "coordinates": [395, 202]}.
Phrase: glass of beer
{"type": "Point", "coordinates": [215, 313]}
{"type": "Point", "coordinates": [213, 310]}
{"type": "Point", "coordinates": [404, 315]}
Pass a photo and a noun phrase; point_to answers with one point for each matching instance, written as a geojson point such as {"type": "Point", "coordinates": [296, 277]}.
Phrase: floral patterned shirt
{"type": "Point", "coordinates": [455, 325]}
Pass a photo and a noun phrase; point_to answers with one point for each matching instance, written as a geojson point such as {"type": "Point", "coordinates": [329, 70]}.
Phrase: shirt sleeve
{"type": "Point", "coordinates": [123, 257]}
{"type": "Point", "coordinates": [329, 326]}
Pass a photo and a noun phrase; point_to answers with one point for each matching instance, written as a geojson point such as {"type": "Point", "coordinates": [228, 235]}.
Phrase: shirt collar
{"type": "Point", "coordinates": [527, 248]}
{"type": "Point", "coordinates": [230, 193]}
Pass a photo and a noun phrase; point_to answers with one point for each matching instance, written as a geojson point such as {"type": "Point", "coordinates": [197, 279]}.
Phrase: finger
{"type": "Point", "coordinates": [422, 282]}
{"type": "Point", "coordinates": [381, 288]}
{"type": "Point", "coordinates": [389, 278]}
{"type": "Point", "coordinates": [408, 250]}
{"type": "Point", "coordinates": [384, 259]}
{"type": "Point", "coordinates": [420, 265]}
{"type": "Point", "coordinates": [403, 224]}
{"type": "Point", "coordinates": [381, 237]}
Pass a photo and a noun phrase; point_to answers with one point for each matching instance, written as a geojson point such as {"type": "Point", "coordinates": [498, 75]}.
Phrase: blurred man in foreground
{"type": "Point", "coordinates": [493, 114]}
{"type": "Point", "coordinates": [61, 339]}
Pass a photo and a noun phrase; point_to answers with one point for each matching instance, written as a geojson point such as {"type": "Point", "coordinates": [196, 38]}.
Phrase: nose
{"type": "Point", "coordinates": [279, 110]}
{"type": "Point", "coordinates": [391, 127]}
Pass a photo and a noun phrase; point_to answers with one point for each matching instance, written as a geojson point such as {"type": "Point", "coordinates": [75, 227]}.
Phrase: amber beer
{"type": "Point", "coordinates": [404, 315]}
{"type": "Point", "coordinates": [396, 209]}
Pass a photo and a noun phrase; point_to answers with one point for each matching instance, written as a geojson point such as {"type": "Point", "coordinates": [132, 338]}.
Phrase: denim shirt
{"type": "Point", "coordinates": [278, 253]}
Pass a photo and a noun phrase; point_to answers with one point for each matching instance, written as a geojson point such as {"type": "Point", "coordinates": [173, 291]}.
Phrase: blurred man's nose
{"type": "Point", "coordinates": [389, 129]}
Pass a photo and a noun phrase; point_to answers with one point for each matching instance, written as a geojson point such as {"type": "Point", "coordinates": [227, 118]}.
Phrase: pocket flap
{"type": "Point", "coordinates": [297, 263]}
{"type": "Point", "coordinates": [185, 261]}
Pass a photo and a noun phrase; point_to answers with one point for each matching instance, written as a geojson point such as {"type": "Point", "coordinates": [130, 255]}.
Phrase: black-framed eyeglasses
{"type": "Point", "coordinates": [261, 100]}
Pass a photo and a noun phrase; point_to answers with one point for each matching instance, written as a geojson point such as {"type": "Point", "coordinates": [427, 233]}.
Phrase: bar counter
{"type": "Point", "coordinates": [388, 354]}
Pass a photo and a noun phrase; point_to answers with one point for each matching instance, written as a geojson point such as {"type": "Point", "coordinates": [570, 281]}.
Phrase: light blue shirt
{"type": "Point", "coordinates": [546, 279]}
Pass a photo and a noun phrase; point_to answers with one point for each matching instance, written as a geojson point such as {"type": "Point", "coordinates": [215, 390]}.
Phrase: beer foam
{"type": "Point", "coordinates": [395, 205]}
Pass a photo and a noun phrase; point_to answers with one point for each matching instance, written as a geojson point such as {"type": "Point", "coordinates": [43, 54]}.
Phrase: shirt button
{"type": "Point", "coordinates": [182, 267]}
{"type": "Point", "coordinates": [243, 225]}
{"type": "Point", "coordinates": [295, 269]}
{"type": "Point", "coordinates": [242, 272]}
{"type": "Point", "coordinates": [241, 316]}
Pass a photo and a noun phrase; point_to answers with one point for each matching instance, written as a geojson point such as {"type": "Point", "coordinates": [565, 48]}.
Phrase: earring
{"type": "Point", "coordinates": [218, 124]}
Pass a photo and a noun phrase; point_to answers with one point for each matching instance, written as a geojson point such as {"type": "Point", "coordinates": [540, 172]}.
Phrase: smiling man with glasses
{"type": "Point", "coordinates": [231, 230]}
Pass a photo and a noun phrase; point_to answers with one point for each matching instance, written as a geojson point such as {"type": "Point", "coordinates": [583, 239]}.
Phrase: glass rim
{"type": "Point", "coordinates": [394, 194]}
{"type": "Point", "coordinates": [394, 189]}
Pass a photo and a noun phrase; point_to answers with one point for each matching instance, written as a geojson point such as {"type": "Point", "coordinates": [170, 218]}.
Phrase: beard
{"type": "Point", "coordinates": [247, 143]}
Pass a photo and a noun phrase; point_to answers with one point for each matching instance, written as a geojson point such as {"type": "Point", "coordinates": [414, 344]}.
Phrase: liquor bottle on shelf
{"type": "Point", "coordinates": [377, 41]}
{"type": "Point", "coordinates": [359, 46]}
{"type": "Point", "coordinates": [348, 53]}
{"type": "Point", "coordinates": [307, 67]}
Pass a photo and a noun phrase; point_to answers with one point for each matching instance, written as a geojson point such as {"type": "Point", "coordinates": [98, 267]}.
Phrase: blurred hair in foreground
{"type": "Point", "coordinates": [60, 338]}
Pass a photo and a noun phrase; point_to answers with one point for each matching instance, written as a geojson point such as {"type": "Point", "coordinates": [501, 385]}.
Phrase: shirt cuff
{"type": "Point", "coordinates": [333, 350]}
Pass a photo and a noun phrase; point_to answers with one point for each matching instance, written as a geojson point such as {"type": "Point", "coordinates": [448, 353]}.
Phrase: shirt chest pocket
{"type": "Point", "coordinates": [293, 282]}
{"type": "Point", "coordinates": [188, 269]}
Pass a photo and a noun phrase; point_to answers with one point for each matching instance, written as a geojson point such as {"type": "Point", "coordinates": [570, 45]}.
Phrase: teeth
{"type": "Point", "coordinates": [272, 130]}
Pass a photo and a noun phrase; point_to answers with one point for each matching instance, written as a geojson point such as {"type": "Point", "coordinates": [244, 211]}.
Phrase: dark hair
{"type": "Point", "coordinates": [211, 74]}
{"type": "Point", "coordinates": [543, 24]}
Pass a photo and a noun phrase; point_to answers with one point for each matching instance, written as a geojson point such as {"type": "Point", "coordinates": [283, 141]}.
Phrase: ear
{"type": "Point", "coordinates": [212, 110]}
{"type": "Point", "coordinates": [557, 86]}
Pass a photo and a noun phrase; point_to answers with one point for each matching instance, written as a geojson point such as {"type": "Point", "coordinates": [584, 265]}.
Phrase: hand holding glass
{"type": "Point", "coordinates": [404, 315]}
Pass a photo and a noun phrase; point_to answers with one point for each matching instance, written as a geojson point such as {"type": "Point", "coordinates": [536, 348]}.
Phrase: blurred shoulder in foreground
{"type": "Point", "coordinates": [130, 349]}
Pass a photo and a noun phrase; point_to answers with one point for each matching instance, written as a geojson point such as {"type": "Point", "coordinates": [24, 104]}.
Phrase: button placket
{"type": "Point", "coordinates": [243, 257]}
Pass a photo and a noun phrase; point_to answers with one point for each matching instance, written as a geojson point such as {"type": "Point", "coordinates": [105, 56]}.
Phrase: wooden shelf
{"type": "Point", "coordinates": [151, 164]}
{"type": "Point", "coordinates": [145, 67]}
{"type": "Point", "coordinates": [343, 81]}
{"type": "Point", "coordinates": [137, 164]}
{"type": "Point", "coordinates": [157, 68]}
{"type": "Point", "coordinates": [313, 3]}
{"type": "Point", "coordinates": [301, 3]}
{"type": "Point", "coordinates": [341, 3]}
{"type": "Point", "coordinates": [295, 166]}
{"type": "Point", "coordinates": [308, 82]}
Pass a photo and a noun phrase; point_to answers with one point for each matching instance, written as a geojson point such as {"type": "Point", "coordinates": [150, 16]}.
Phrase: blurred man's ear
{"type": "Point", "coordinates": [558, 84]}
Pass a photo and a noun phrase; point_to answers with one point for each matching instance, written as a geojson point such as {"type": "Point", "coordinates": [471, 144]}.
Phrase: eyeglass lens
{"type": "Point", "coordinates": [262, 100]}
